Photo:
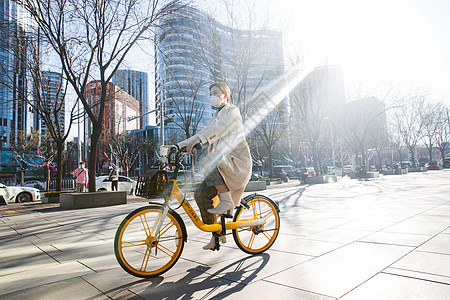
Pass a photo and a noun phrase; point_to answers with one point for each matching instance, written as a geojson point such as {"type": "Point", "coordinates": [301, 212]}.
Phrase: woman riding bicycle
{"type": "Point", "coordinates": [228, 165]}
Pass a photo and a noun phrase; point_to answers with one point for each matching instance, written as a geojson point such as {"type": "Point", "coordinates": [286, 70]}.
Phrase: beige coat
{"type": "Point", "coordinates": [231, 154]}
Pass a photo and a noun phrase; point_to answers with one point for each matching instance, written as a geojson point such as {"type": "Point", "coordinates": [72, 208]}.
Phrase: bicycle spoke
{"type": "Point", "coordinates": [266, 235]}
{"type": "Point", "coordinates": [268, 215]}
{"type": "Point", "coordinates": [145, 259]}
{"type": "Point", "coordinates": [252, 239]}
{"type": "Point", "coordinates": [255, 213]}
{"type": "Point", "coordinates": [164, 229]}
{"type": "Point", "coordinates": [133, 243]}
{"type": "Point", "coordinates": [146, 228]}
{"type": "Point", "coordinates": [167, 251]}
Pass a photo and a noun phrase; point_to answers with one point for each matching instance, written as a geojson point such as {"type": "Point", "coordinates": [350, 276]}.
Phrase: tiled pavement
{"type": "Point", "coordinates": [387, 238]}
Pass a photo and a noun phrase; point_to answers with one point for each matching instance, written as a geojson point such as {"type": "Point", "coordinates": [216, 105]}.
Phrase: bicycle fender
{"type": "Point", "coordinates": [247, 198]}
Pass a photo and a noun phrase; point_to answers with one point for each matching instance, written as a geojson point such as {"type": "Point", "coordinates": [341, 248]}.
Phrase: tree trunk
{"type": "Point", "coordinates": [95, 137]}
{"type": "Point", "coordinates": [413, 156]}
{"type": "Point", "coordinates": [59, 161]}
{"type": "Point", "coordinates": [430, 152]}
{"type": "Point", "coordinates": [270, 164]}
{"type": "Point", "coordinates": [315, 158]}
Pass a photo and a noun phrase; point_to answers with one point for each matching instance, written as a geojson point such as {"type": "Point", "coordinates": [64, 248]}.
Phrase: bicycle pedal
{"type": "Point", "coordinates": [227, 216]}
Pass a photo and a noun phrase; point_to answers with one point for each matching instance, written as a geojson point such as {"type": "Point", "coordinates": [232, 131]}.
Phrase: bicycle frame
{"type": "Point", "coordinates": [173, 190]}
{"type": "Point", "coordinates": [217, 227]}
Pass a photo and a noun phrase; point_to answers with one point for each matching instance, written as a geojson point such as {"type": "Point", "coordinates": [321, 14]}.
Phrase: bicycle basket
{"type": "Point", "coordinates": [152, 184]}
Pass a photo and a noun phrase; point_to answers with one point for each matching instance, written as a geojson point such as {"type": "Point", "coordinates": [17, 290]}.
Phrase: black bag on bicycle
{"type": "Point", "coordinates": [152, 184]}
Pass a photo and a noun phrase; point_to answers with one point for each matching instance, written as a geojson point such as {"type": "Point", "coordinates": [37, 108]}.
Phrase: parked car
{"type": "Point", "coordinates": [40, 185]}
{"type": "Point", "coordinates": [433, 165]}
{"type": "Point", "coordinates": [348, 169]}
{"type": "Point", "coordinates": [255, 177]}
{"type": "Point", "coordinates": [310, 171]}
{"type": "Point", "coordinates": [335, 171]}
{"type": "Point", "coordinates": [285, 172]}
{"type": "Point", "coordinates": [18, 194]}
{"type": "Point", "coordinates": [447, 163]}
{"type": "Point", "coordinates": [406, 164]}
{"type": "Point", "coordinates": [103, 183]}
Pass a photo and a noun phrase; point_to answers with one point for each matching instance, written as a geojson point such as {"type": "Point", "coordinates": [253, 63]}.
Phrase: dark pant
{"type": "Point", "coordinates": [203, 195]}
{"type": "Point", "coordinates": [114, 185]}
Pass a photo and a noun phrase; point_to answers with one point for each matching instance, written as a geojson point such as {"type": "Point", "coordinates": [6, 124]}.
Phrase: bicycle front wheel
{"type": "Point", "coordinates": [139, 251]}
{"type": "Point", "coordinates": [257, 239]}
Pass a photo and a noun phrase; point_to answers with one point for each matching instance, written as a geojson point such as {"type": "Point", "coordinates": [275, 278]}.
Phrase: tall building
{"type": "Point", "coordinates": [135, 83]}
{"type": "Point", "coordinates": [52, 92]}
{"type": "Point", "coordinates": [192, 50]}
{"type": "Point", "coordinates": [13, 74]}
{"type": "Point", "coordinates": [119, 107]}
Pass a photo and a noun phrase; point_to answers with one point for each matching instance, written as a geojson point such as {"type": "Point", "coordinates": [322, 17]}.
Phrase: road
{"type": "Point", "coordinates": [386, 238]}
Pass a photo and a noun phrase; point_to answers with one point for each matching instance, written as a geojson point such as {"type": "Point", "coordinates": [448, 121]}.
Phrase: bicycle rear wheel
{"type": "Point", "coordinates": [257, 239]}
{"type": "Point", "coordinates": [142, 254]}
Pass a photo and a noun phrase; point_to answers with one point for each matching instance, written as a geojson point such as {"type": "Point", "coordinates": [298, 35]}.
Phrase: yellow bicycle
{"type": "Point", "coordinates": [150, 240]}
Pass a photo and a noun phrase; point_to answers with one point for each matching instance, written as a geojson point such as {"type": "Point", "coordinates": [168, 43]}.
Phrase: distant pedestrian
{"type": "Point", "coordinates": [114, 177]}
{"type": "Point", "coordinates": [81, 180]}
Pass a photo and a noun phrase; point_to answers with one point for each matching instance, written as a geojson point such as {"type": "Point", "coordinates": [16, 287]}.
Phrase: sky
{"type": "Point", "coordinates": [405, 42]}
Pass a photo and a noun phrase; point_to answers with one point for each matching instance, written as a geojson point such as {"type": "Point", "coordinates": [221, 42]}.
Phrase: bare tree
{"type": "Point", "coordinates": [271, 131]}
{"type": "Point", "coordinates": [409, 122]}
{"type": "Point", "coordinates": [93, 37]}
{"type": "Point", "coordinates": [433, 114]}
{"type": "Point", "coordinates": [314, 100]}
{"type": "Point", "coordinates": [363, 125]}
{"type": "Point", "coordinates": [443, 132]}
{"type": "Point", "coordinates": [46, 97]}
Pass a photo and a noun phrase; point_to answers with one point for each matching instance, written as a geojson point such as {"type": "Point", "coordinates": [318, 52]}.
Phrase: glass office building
{"type": "Point", "coordinates": [13, 73]}
{"type": "Point", "coordinates": [192, 50]}
{"type": "Point", "coordinates": [52, 91]}
{"type": "Point", "coordinates": [135, 83]}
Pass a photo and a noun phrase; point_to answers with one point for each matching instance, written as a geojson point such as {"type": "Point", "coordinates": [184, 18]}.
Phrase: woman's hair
{"type": "Point", "coordinates": [223, 87]}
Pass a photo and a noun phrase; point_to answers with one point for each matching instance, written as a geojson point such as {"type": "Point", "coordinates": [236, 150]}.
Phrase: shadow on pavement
{"type": "Point", "coordinates": [226, 281]}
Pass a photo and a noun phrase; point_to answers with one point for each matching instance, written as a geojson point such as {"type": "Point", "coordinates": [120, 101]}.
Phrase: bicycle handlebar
{"type": "Point", "coordinates": [174, 156]}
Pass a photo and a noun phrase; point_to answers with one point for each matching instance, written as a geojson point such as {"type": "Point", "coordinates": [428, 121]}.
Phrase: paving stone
{"type": "Point", "coordinates": [387, 287]}
{"type": "Point", "coordinates": [112, 282]}
{"type": "Point", "coordinates": [395, 238]}
{"type": "Point", "coordinates": [249, 269]}
{"type": "Point", "coordinates": [43, 275]}
{"type": "Point", "coordinates": [339, 235]}
{"type": "Point", "coordinates": [366, 256]}
{"type": "Point", "coordinates": [75, 288]}
{"type": "Point", "coordinates": [367, 224]}
{"type": "Point", "coordinates": [191, 284]}
{"type": "Point", "coordinates": [417, 227]}
{"type": "Point", "coordinates": [438, 244]}
{"type": "Point", "coordinates": [25, 256]}
{"type": "Point", "coordinates": [324, 279]}
{"type": "Point", "coordinates": [305, 246]}
{"type": "Point", "coordinates": [295, 229]}
{"type": "Point", "coordinates": [432, 263]}
{"type": "Point", "coordinates": [266, 290]}
{"type": "Point", "coordinates": [84, 252]}
{"type": "Point", "coordinates": [418, 275]}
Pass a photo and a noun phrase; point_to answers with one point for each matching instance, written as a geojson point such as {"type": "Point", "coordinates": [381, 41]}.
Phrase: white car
{"type": "Point", "coordinates": [13, 194]}
{"type": "Point", "coordinates": [40, 185]}
{"type": "Point", "coordinates": [103, 183]}
{"type": "Point", "coordinates": [335, 171]}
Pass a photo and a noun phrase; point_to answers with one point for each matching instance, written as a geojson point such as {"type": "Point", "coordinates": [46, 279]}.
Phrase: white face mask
{"type": "Point", "coordinates": [215, 101]}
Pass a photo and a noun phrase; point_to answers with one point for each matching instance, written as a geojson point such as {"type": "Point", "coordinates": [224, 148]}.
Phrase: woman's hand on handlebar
{"type": "Point", "coordinates": [170, 147]}
{"type": "Point", "coordinates": [191, 145]}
